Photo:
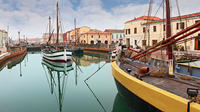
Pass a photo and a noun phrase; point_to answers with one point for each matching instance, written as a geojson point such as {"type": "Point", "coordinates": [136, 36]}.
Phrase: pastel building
{"type": "Point", "coordinates": [46, 36]}
{"type": "Point", "coordinates": [95, 36]}
{"type": "Point", "coordinates": [3, 40]}
{"type": "Point", "coordinates": [144, 31]}
{"type": "Point", "coordinates": [72, 38]}
{"type": "Point", "coordinates": [117, 35]}
{"type": "Point", "coordinates": [35, 41]}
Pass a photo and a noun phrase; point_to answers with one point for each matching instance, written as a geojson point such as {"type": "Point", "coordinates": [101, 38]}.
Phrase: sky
{"type": "Point", "coordinates": [30, 17]}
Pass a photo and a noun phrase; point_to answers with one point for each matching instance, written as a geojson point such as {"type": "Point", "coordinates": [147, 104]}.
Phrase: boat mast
{"type": "Point", "coordinates": [168, 28]}
{"type": "Point", "coordinates": [49, 30]}
{"type": "Point", "coordinates": [75, 29]}
{"type": "Point", "coordinates": [168, 35]}
{"type": "Point", "coordinates": [57, 41]}
{"type": "Point", "coordinates": [49, 25]}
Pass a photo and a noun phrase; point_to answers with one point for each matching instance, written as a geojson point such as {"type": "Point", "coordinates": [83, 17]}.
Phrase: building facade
{"type": "Point", "coordinates": [72, 38]}
{"type": "Point", "coordinates": [45, 38]}
{"type": "Point", "coordinates": [95, 36]}
{"type": "Point", "coordinates": [35, 41]}
{"type": "Point", "coordinates": [117, 35]}
{"type": "Point", "coordinates": [144, 31]}
{"type": "Point", "coordinates": [3, 40]}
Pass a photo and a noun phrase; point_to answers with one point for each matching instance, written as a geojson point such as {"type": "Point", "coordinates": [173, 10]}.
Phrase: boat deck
{"type": "Point", "coordinates": [174, 85]}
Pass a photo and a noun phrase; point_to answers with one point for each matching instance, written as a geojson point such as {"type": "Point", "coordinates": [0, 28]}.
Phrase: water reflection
{"type": "Point", "coordinates": [56, 74]}
{"type": "Point", "coordinates": [93, 93]}
{"type": "Point", "coordinates": [92, 57]}
{"type": "Point", "coordinates": [120, 105]}
{"type": "Point", "coordinates": [58, 89]}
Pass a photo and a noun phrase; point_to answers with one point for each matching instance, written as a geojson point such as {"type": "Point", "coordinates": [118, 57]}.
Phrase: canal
{"type": "Point", "coordinates": [29, 84]}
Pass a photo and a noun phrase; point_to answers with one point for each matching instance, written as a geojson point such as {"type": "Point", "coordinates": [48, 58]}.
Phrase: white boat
{"type": "Point", "coordinates": [56, 54]}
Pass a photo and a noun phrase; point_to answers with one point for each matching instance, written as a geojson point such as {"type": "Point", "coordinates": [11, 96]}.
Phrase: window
{"type": "Point", "coordinates": [144, 42]}
{"type": "Point", "coordinates": [99, 41]}
{"type": "Point", "coordinates": [154, 42]}
{"type": "Point", "coordinates": [106, 42]}
{"type": "Point", "coordinates": [154, 28]}
{"type": "Point", "coordinates": [135, 42]}
{"type": "Point", "coordinates": [91, 42]}
{"type": "Point", "coordinates": [126, 31]}
{"type": "Point", "coordinates": [182, 25]}
{"type": "Point", "coordinates": [129, 31]}
{"type": "Point", "coordinates": [144, 29]}
{"type": "Point", "coordinates": [177, 26]}
{"type": "Point", "coordinates": [197, 21]}
{"type": "Point", "coordinates": [99, 36]}
{"type": "Point", "coordinates": [135, 30]}
{"type": "Point", "coordinates": [91, 36]}
{"type": "Point", "coordinates": [164, 27]}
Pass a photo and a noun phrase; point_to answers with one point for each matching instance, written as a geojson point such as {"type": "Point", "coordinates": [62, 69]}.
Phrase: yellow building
{"type": "Point", "coordinates": [136, 30]}
{"type": "Point", "coordinates": [70, 35]}
{"type": "Point", "coordinates": [95, 36]}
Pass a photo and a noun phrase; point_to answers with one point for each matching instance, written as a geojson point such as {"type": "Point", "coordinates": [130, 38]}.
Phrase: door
{"type": "Point", "coordinates": [128, 42]}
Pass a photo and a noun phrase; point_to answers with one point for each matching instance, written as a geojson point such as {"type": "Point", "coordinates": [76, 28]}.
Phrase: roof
{"type": "Point", "coordinates": [152, 18]}
{"type": "Point", "coordinates": [34, 39]}
{"type": "Point", "coordinates": [179, 17]}
{"type": "Point", "coordinates": [114, 30]}
{"type": "Point", "coordinates": [3, 31]}
{"type": "Point", "coordinates": [94, 31]}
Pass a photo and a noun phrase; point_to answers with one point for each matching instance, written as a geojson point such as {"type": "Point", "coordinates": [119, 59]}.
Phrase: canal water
{"type": "Point", "coordinates": [29, 84]}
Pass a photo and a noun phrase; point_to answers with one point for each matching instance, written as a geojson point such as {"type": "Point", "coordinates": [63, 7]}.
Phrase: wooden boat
{"type": "Point", "coordinates": [16, 60]}
{"type": "Point", "coordinates": [12, 55]}
{"type": "Point", "coordinates": [56, 54]}
{"type": "Point", "coordinates": [150, 93]}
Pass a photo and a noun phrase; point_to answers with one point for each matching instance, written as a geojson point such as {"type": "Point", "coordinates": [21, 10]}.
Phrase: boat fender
{"type": "Point", "coordinates": [144, 70]}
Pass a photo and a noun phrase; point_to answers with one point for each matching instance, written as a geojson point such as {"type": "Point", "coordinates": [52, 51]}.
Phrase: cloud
{"type": "Point", "coordinates": [31, 16]}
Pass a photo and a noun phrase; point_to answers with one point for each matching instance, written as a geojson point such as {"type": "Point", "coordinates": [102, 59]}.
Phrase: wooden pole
{"type": "Point", "coordinates": [57, 40]}
{"type": "Point", "coordinates": [168, 35]}
{"type": "Point", "coordinates": [168, 28]}
{"type": "Point", "coordinates": [19, 36]}
{"type": "Point", "coordinates": [75, 29]}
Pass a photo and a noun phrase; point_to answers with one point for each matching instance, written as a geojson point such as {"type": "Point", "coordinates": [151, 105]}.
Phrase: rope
{"type": "Point", "coordinates": [179, 13]}
{"type": "Point", "coordinates": [159, 8]}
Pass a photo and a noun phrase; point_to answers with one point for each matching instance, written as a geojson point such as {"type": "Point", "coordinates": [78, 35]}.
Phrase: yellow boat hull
{"type": "Point", "coordinates": [159, 98]}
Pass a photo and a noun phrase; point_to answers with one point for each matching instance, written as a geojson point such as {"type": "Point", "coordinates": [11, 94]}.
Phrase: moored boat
{"type": "Point", "coordinates": [150, 96]}
{"type": "Point", "coordinates": [56, 54]}
{"type": "Point", "coordinates": [157, 88]}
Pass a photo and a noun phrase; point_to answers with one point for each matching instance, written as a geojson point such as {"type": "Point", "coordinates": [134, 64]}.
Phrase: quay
{"type": "Point", "coordinates": [33, 48]}
{"type": "Point", "coordinates": [38, 48]}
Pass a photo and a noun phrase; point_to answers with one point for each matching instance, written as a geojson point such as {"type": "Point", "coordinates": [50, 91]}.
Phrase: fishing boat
{"type": "Point", "coordinates": [142, 85]}
{"type": "Point", "coordinates": [56, 54]}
